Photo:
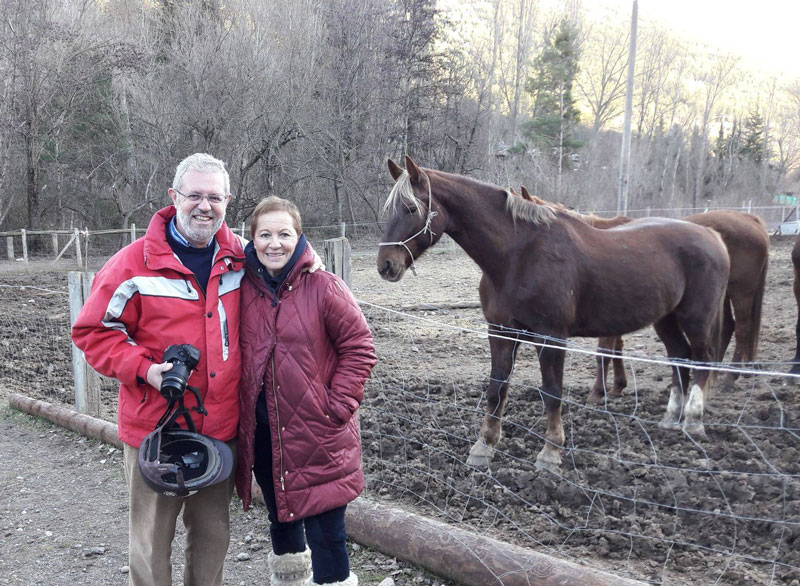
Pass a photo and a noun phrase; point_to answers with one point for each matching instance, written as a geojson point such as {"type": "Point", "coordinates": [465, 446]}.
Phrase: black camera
{"type": "Point", "coordinates": [184, 359]}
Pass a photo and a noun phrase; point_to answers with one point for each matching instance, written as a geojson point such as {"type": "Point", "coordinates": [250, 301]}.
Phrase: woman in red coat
{"type": "Point", "coordinates": [306, 352]}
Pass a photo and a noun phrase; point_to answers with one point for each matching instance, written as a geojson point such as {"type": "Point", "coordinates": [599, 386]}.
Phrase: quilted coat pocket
{"type": "Point", "coordinates": [337, 415]}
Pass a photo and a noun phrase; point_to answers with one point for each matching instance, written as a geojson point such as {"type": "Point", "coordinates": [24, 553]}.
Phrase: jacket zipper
{"type": "Point", "coordinates": [278, 421]}
{"type": "Point", "coordinates": [223, 325]}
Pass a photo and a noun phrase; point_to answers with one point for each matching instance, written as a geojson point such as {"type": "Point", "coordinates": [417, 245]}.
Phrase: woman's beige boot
{"type": "Point", "coordinates": [290, 569]}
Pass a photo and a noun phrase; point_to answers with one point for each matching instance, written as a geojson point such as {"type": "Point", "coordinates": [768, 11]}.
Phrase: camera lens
{"type": "Point", "coordinates": [174, 381]}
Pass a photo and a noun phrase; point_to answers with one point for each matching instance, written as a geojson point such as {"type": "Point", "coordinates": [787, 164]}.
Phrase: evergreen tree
{"type": "Point", "coordinates": [555, 116]}
{"type": "Point", "coordinates": [752, 146]}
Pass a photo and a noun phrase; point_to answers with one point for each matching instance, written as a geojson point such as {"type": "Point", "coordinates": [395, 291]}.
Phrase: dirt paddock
{"type": "Point", "coordinates": [650, 504]}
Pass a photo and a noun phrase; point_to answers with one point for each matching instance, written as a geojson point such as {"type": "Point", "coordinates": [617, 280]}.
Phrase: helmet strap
{"type": "Point", "coordinates": [176, 408]}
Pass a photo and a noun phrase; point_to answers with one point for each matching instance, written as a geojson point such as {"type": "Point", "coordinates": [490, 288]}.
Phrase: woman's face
{"type": "Point", "coordinates": [275, 239]}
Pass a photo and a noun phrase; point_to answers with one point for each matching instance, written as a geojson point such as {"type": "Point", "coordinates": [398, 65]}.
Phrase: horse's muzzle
{"type": "Point", "coordinates": [390, 271]}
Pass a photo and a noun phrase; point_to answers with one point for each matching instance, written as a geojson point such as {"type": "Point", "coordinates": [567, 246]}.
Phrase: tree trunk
{"type": "Point", "coordinates": [32, 182]}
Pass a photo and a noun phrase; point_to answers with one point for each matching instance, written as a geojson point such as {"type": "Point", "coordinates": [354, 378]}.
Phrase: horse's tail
{"type": "Point", "coordinates": [755, 323]}
{"type": "Point", "coordinates": [717, 341]}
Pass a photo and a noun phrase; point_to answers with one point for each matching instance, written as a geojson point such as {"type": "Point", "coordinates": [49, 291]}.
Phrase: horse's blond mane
{"type": "Point", "coordinates": [591, 219]}
{"type": "Point", "coordinates": [528, 210]}
{"type": "Point", "coordinates": [536, 211]}
{"type": "Point", "coordinates": [402, 193]}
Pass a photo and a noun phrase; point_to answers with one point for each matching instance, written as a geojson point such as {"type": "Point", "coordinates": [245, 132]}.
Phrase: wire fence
{"type": "Point", "coordinates": [651, 504]}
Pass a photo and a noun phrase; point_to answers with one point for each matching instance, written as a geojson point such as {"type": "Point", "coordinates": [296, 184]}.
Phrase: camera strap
{"type": "Point", "coordinates": [176, 408]}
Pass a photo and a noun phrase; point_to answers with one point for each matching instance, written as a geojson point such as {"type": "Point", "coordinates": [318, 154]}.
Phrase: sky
{"type": "Point", "coordinates": [762, 32]}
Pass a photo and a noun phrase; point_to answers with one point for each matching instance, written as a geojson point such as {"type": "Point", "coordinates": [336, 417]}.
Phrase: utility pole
{"type": "Point", "coordinates": [625, 156]}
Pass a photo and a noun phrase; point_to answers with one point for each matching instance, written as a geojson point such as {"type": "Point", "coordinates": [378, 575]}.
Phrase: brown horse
{"type": "Point", "coordinates": [747, 240]}
{"type": "Point", "coordinates": [796, 286]}
{"type": "Point", "coordinates": [548, 276]}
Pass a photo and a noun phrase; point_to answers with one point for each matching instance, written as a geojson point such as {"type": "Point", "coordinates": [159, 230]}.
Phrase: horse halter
{"type": "Point", "coordinates": [426, 228]}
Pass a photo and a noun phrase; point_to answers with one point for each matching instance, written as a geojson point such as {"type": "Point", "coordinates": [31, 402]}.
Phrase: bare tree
{"type": "Point", "coordinates": [601, 80]}
{"type": "Point", "coordinates": [715, 76]}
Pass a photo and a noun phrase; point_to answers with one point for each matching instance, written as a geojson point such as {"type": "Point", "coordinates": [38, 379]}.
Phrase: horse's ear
{"type": "Point", "coordinates": [525, 193]}
{"type": "Point", "coordinates": [413, 171]}
{"type": "Point", "coordinates": [394, 169]}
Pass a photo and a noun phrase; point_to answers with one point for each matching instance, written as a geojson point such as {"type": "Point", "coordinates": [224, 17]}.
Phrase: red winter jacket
{"type": "Point", "coordinates": [144, 300]}
{"type": "Point", "coordinates": [311, 352]}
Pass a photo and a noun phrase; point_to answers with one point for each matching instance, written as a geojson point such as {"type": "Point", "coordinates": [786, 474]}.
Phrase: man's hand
{"type": "Point", "coordinates": [316, 265]}
{"type": "Point", "coordinates": [156, 373]}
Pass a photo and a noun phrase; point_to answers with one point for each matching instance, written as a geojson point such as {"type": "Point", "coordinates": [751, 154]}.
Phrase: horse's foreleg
{"type": "Point", "coordinates": [620, 380]}
{"type": "Point", "coordinates": [503, 353]}
{"type": "Point", "coordinates": [608, 345]}
{"type": "Point", "coordinates": [551, 363]}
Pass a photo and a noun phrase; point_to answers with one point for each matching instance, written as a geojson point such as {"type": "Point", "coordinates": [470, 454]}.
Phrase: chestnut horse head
{"type": "Point", "coordinates": [412, 225]}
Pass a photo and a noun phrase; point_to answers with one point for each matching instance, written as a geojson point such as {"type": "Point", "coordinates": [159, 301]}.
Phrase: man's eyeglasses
{"type": "Point", "coordinates": [213, 199]}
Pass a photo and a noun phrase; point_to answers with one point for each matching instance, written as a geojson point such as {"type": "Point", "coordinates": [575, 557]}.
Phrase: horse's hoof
{"type": "Point", "coordinates": [480, 455]}
{"type": "Point", "coordinates": [594, 398]}
{"type": "Point", "coordinates": [478, 461]}
{"type": "Point", "coordinates": [616, 392]}
{"type": "Point", "coordinates": [673, 425]}
{"type": "Point", "coordinates": [697, 429]}
{"type": "Point", "coordinates": [549, 460]}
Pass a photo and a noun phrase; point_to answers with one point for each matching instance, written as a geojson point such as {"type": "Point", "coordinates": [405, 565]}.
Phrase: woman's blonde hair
{"type": "Point", "coordinates": [274, 203]}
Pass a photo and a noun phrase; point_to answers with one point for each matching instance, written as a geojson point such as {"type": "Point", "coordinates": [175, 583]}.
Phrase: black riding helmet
{"type": "Point", "coordinates": [177, 462]}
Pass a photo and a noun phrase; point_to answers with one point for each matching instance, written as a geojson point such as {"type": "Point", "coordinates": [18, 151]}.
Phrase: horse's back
{"type": "Point", "coordinates": [747, 241]}
{"type": "Point", "coordinates": [738, 229]}
{"type": "Point", "coordinates": [675, 237]}
{"type": "Point", "coordinates": [619, 280]}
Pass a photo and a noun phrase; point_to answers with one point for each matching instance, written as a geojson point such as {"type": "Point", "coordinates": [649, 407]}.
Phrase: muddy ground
{"type": "Point", "coordinates": [646, 503]}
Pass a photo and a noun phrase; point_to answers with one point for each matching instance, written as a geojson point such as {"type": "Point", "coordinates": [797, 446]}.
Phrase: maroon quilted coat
{"type": "Point", "coordinates": [311, 351]}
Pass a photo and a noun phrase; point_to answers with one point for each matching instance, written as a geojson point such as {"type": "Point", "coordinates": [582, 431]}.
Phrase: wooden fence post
{"type": "Point", "coordinates": [87, 381]}
{"type": "Point", "coordinates": [10, 247]}
{"type": "Point", "coordinates": [54, 236]}
{"type": "Point", "coordinates": [78, 257]}
{"type": "Point", "coordinates": [133, 233]}
{"type": "Point", "coordinates": [24, 245]}
{"type": "Point", "coordinates": [336, 256]}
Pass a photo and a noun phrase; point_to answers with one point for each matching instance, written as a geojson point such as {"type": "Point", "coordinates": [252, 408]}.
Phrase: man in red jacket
{"type": "Point", "coordinates": [177, 285]}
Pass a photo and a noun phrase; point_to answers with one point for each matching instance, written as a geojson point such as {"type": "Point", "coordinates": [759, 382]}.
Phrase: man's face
{"type": "Point", "coordinates": [198, 221]}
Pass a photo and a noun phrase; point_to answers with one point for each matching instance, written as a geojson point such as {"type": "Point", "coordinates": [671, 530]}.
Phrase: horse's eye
{"type": "Point", "coordinates": [408, 207]}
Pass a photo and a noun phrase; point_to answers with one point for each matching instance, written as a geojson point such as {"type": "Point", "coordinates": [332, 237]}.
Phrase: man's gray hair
{"type": "Point", "coordinates": [201, 162]}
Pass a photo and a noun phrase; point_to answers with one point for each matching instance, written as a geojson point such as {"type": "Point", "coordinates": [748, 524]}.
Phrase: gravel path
{"type": "Point", "coordinates": [63, 517]}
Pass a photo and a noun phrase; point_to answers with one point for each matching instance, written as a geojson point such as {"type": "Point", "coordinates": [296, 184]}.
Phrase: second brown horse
{"type": "Point", "coordinates": [747, 240]}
